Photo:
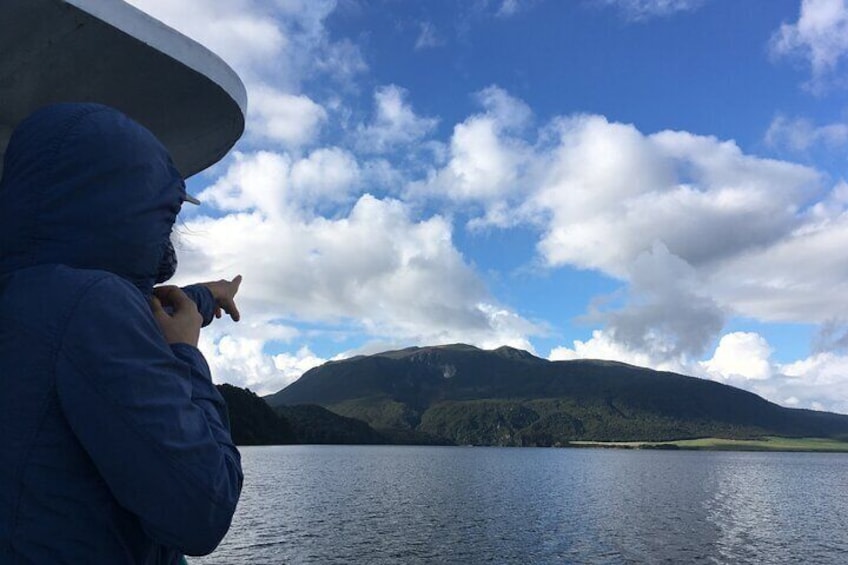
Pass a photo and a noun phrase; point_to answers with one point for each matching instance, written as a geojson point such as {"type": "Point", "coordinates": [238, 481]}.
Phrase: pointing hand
{"type": "Point", "coordinates": [183, 324]}
{"type": "Point", "coordinates": [224, 292]}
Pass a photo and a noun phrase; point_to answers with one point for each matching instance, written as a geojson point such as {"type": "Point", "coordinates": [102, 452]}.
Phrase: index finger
{"type": "Point", "coordinates": [236, 282]}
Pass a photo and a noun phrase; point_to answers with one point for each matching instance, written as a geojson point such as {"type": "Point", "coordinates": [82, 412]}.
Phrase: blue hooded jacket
{"type": "Point", "coordinates": [114, 445]}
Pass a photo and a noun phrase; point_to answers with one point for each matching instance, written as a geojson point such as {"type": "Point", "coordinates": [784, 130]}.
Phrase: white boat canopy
{"type": "Point", "coordinates": [109, 52]}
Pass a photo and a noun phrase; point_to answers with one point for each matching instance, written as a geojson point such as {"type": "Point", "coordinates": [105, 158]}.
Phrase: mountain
{"type": "Point", "coordinates": [315, 425]}
{"type": "Point", "coordinates": [252, 421]}
{"type": "Point", "coordinates": [465, 395]}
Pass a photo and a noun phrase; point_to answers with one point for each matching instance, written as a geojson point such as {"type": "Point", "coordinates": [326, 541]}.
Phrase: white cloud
{"type": "Point", "coordinates": [239, 354]}
{"type": "Point", "coordinates": [800, 134]}
{"type": "Point", "coordinates": [395, 123]}
{"type": "Point", "coordinates": [642, 10]}
{"type": "Point", "coordinates": [743, 360]}
{"type": "Point", "coordinates": [508, 113]}
{"type": "Point", "coordinates": [742, 354]}
{"type": "Point", "coordinates": [236, 353]}
{"type": "Point", "coordinates": [817, 382]}
{"type": "Point", "coordinates": [293, 365]}
{"type": "Point", "coordinates": [509, 329]}
{"type": "Point", "coordinates": [604, 347]}
{"type": "Point", "coordinates": [613, 192]}
{"type": "Point", "coordinates": [326, 175]}
{"type": "Point", "coordinates": [258, 181]}
{"type": "Point", "coordinates": [288, 119]}
{"type": "Point", "coordinates": [485, 158]}
{"type": "Point", "coordinates": [392, 275]}
{"type": "Point", "coordinates": [819, 37]}
{"type": "Point", "coordinates": [278, 187]}
{"type": "Point", "coordinates": [605, 196]}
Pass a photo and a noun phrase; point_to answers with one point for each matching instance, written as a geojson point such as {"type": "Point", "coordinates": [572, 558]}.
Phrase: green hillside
{"type": "Point", "coordinates": [252, 421]}
{"type": "Point", "coordinates": [315, 425]}
{"type": "Point", "coordinates": [466, 395]}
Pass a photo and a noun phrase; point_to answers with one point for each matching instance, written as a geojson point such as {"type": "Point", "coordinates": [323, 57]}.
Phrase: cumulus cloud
{"type": "Point", "coordinates": [252, 182]}
{"type": "Point", "coordinates": [277, 186]}
{"type": "Point", "coordinates": [605, 347]}
{"type": "Point", "coordinates": [288, 119]}
{"type": "Point", "coordinates": [800, 134]}
{"type": "Point", "coordinates": [293, 365]}
{"type": "Point", "coordinates": [819, 38]}
{"type": "Point", "coordinates": [236, 352]}
{"type": "Point", "coordinates": [395, 124]}
{"type": "Point", "coordinates": [485, 157]}
{"type": "Point", "coordinates": [741, 359]}
{"type": "Point", "coordinates": [613, 192]}
{"type": "Point", "coordinates": [394, 275]}
{"type": "Point", "coordinates": [666, 320]}
{"type": "Point", "coordinates": [604, 196]}
{"type": "Point", "coordinates": [242, 354]}
{"type": "Point", "coordinates": [327, 175]}
{"type": "Point", "coordinates": [376, 266]}
{"type": "Point", "coordinates": [817, 382]}
{"type": "Point", "coordinates": [740, 354]}
{"type": "Point", "coordinates": [667, 314]}
{"type": "Point", "coordinates": [642, 10]}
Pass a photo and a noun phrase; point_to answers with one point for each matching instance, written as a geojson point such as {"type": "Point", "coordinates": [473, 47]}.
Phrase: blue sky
{"type": "Point", "coordinates": [659, 182]}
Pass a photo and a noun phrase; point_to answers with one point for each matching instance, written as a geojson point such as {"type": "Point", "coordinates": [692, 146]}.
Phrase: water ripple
{"type": "Point", "coordinates": [388, 504]}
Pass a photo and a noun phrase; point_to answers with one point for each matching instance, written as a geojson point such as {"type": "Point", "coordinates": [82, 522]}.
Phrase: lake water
{"type": "Point", "coordinates": [392, 504]}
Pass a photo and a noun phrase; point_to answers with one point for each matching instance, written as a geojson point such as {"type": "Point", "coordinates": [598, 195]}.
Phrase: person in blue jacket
{"type": "Point", "coordinates": [114, 443]}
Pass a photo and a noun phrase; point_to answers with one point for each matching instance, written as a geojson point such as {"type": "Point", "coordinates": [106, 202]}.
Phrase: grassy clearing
{"type": "Point", "coordinates": [770, 443]}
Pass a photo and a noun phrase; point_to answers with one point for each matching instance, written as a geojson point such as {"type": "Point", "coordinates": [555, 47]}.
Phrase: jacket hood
{"type": "Point", "coordinates": [85, 186]}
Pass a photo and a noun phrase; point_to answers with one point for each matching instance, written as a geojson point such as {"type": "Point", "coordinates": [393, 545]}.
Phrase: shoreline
{"type": "Point", "coordinates": [768, 443]}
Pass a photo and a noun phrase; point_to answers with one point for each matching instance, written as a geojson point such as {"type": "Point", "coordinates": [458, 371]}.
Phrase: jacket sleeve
{"type": "Point", "coordinates": [149, 417]}
{"type": "Point", "coordinates": [202, 297]}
